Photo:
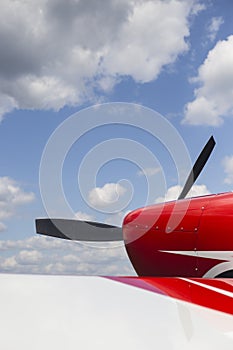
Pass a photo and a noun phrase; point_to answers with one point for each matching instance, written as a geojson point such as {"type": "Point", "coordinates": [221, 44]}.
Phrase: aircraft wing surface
{"type": "Point", "coordinates": [71, 312]}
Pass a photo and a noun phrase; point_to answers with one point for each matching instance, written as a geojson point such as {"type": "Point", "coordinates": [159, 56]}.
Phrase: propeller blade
{"type": "Point", "coordinates": [198, 166]}
{"type": "Point", "coordinates": [78, 230]}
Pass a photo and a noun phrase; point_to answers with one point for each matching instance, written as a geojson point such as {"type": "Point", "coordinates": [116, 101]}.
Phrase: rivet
{"type": "Point", "coordinates": [195, 229]}
{"type": "Point", "coordinates": [157, 227]}
{"type": "Point", "coordinates": [202, 208]}
{"type": "Point", "coordinates": [181, 228]}
{"type": "Point", "coordinates": [196, 269]}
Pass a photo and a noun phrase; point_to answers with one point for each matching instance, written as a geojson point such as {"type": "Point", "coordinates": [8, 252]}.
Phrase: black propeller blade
{"type": "Point", "coordinates": [198, 166]}
{"type": "Point", "coordinates": [97, 232]}
{"type": "Point", "coordinates": [78, 230]}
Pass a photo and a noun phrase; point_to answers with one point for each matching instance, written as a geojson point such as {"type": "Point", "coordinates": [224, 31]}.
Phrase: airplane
{"type": "Point", "coordinates": [189, 237]}
{"type": "Point", "coordinates": [172, 246]}
{"type": "Point", "coordinates": [92, 312]}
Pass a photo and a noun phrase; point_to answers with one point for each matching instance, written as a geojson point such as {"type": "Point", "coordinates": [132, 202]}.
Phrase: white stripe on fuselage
{"type": "Point", "coordinates": [218, 255]}
{"type": "Point", "coordinates": [214, 289]}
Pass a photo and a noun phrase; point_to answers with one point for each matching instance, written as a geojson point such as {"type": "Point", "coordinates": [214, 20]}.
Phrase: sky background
{"type": "Point", "coordinates": [60, 57]}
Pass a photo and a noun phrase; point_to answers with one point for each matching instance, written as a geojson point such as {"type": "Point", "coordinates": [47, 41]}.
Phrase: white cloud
{"type": "Point", "coordinates": [110, 193]}
{"type": "Point", "coordinates": [214, 27]}
{"type": "Point", "coordinates": [165, 21]}
{"type": "Point", "coordinates": [35, 243]}
{"type": "Point", "coordinates": [116, 219]}
{"type": "Point", "coordinates": [84, 216]}
{"type": "Point", "coordinates": [197, 7]}
{"type": "Point", "coordinates": [11, 197]}
{"type": "Point", "coordinates": [174, 191]}
{"type": "Point", "coordinates": [214, 98]}
{"type": "Point", "coordinates": [29, 257]}
{"type": "Point", "coordinates": [11, 193]}
{"type": "Point", "coordinates": [7, 104]}
{"type": "Point", "coordinates": [50, 57]}
{"type": "Point", "coordinates": [148, 171]}
{"type": "Point", "coordinates": [39, 254]}
{"type": "Point", "coordinates": [228, 169]}
{"type": "Point", "coordinates": [8, 264]}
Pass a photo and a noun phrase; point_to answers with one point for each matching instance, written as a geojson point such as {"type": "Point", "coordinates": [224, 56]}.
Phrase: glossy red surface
{"type": "Point", "coordinates": [216, 294]}
{"type": "Point", "coordinates": [187, 238]}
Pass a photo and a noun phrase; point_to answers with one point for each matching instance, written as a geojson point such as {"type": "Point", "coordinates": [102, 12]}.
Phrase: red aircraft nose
{"type": "Point", "coordinates": [140, 221]}
{"type": "Point", "coordinates": [134, 226]}
{"type": "Point", "coordinates": [153, 249]}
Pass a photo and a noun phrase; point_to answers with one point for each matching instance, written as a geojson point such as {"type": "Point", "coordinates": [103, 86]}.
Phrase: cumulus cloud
{"type": "Point", "coordinates": [29, 257]}
{"type": "Point", "coordinates": [84, 216]}
{"type": "Point", "coordinates": [214, 27]}
{"type": "Point", "coordinates": [35, 243]}
{"type": "Point", "coordinates": [148, 172]}
{"type": "Point", "coordinates": [214, 98]}
{"type": "Point", "coordinates": [11, 197]}
{"type": "Point", "coordinates": [47, 255]}
{"type": "Point", "coordinates": [136, 38]}
{"type": "Point", "coordinates": [100, 197]}
{"type": "Point", "coordinates": [228, 169]}
{"type": "Point", "coordinates": [174, 191]}
{"type": "Point", "coordinates": [116, 219]}
{"type": "Point", "coordinates": [56, 53]}
{"type": "Point", "coordinates": [8, 264]}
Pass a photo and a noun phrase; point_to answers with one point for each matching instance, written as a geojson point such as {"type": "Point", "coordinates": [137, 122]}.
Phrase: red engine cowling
{"type": "Point", "coordinates": [189, 238]}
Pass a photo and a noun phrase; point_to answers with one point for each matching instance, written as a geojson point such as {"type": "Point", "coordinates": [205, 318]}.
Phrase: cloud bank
{"type": "Point", "coordinates": [56, 53]}
{"type": "Point", "coordinates": [55, 256]}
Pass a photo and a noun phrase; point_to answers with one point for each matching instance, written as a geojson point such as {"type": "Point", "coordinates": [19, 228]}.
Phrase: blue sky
{"type": "Point", "coordinates": [58, 58]}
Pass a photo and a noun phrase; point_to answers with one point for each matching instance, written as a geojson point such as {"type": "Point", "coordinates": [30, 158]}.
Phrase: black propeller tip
{"type": "Point", "coordinates": [78, 230]}
{"type": "Point", "coordinates": [198, 166]}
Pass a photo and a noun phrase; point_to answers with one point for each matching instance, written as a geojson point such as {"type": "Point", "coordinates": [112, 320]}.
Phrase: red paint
{"type": "Point", "coordinates": [214, 294]}
{"type": "Point", "coordinates": [190, 225]}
